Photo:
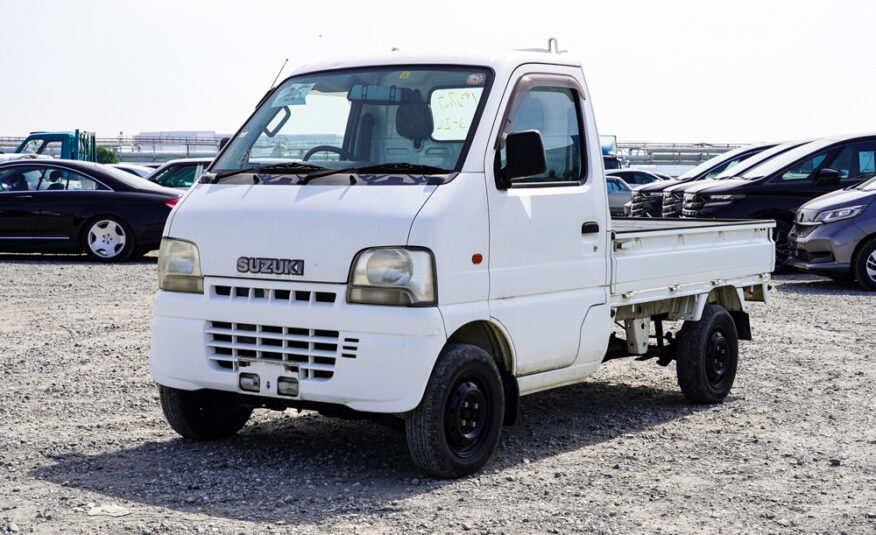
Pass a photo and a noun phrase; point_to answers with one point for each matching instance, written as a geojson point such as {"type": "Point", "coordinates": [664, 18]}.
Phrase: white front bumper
{"type": "Point", "coordinates": [394, 347]}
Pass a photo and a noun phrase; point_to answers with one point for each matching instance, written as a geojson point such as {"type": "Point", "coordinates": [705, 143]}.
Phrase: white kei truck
{"type": "Point", "coordinates": [427, 237]}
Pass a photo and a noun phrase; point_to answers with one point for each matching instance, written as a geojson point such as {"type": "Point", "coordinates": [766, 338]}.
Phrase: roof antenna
{"type": "Point", "coordinates": [554, 46]}
{"type": "Point", "coordinates": [283, 66]}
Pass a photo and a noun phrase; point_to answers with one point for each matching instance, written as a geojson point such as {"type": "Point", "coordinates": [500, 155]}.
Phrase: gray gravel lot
{"type": "Point", "coordinates": [85, 448]}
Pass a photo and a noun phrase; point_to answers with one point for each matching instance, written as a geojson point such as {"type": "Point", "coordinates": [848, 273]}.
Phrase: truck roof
{"type": "Point", "coordinates": [499, 60]}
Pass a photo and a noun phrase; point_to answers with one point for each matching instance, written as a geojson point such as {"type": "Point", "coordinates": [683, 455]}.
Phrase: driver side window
{"type": "Point", "coordinates": [553, 112]}
{"type": "Point", "coordinates": [803, 170]}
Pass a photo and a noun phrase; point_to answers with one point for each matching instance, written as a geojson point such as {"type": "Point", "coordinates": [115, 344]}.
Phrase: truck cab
{"type": "Point", "coordinates": [75, 145]}
{"type": "Point", "coordinates": [428, 236]}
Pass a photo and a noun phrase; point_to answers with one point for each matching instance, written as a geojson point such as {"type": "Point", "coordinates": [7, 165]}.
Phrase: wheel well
{"type": "Point", "coordinates": [860, 245]}
{"type": "Point", "coordinates": [491, 339]}
{"type": "Point", "coordinates": [488, 337]}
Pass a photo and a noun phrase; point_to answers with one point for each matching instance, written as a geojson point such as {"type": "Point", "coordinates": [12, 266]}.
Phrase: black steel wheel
{"type": "Point", "coordinates": [203, 414]}
{"type": "Point", "coordinates": [455, 429]}
{"type": "Point", "coordinates": [708, 353]}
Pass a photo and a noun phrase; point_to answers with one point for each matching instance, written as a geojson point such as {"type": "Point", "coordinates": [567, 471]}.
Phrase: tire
{"type": "Point", "coordinates": [108, 239]}
{"type": "Point", "coordinates": [203, 414]}
{"type": "Point", "coordinates": [455, 429]}
{"type": "Point", "coordinates": [708, 353]}
{"type": "Point", "coordinates": [864, 265]}
{"type": "Point", "coordinates": [780, 237]}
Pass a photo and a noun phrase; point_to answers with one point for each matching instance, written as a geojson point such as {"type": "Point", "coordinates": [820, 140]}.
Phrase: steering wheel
{"type": "Point", "coordinates": [328, 148]}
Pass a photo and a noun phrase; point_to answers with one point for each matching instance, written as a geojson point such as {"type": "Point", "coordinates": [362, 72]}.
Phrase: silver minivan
{"type": "Point", "coordinates": [835, 234]}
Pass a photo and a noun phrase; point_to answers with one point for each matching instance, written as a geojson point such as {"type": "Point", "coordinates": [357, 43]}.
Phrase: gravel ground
{"type": "Point", "coordinates": [85, 448]}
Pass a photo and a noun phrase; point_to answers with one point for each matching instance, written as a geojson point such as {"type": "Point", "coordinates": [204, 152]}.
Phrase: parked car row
{"type": "Point", "coordinates": [775, 181]}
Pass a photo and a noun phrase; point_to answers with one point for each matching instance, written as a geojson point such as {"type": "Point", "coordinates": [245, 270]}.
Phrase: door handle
{"type": "Point", "coordinates": [590, 227]}
{"type": "Point", "coordinates": [24, 196]}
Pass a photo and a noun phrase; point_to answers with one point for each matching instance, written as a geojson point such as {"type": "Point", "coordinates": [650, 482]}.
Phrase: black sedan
{"type": "Point", "coordinates": [67, 205]}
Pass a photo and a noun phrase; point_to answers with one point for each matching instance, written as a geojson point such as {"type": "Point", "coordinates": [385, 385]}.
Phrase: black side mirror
{"type": "Point", "coordinates": [524, 157]}
{"type": "Point", "coordinates": [828, 177]}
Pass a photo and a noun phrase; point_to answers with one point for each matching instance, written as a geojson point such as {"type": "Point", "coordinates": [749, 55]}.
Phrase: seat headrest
{"type": "Point", "coordinates": [413, 120]}
{"type": "Point", "coordinates": [55, 176]}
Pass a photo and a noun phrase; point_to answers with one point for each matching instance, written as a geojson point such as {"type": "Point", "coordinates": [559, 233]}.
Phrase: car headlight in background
{"type": "Point", "coordinates": [179, 266]}
{"type": "Point", "coordinates": [398, 276]}
{"type": "Point", "coordinates": [848, 212]}
{"type": "Point", "coordinates": [721, 199]}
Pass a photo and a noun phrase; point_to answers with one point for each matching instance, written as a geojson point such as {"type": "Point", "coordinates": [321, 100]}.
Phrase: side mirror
{"type": "Point", "coordinates": [828, 177]}
{"type": "Point", "coordinates": [524, 157]}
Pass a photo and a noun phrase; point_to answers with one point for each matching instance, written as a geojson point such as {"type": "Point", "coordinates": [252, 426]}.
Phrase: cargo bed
{"type": "Point", "coordinates": [655, 259]}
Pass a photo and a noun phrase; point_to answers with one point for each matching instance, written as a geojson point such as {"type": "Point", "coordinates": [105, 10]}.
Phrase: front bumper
{"type": "Point", "coordinates": [826, 249]}
{"type": "Point", "coordinates": [368, 358]}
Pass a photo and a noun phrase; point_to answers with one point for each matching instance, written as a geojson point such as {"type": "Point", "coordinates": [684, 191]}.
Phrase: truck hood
{"type": "Point", "coordinates": [834, 200]}
{"type": "Point", "coordinates": [325, 226]}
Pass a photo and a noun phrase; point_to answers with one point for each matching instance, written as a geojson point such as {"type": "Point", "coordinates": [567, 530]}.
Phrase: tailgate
{"type": "Point", "coordinates": [652, 253]}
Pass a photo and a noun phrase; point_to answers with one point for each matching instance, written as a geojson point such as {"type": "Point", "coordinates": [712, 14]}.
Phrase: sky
{"type": "Point", "coordinates": [660, 71]}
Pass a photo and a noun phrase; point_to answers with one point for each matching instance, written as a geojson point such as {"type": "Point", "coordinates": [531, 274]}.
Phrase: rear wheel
{"type": "Point", "coordinates": [455, 429]}
{"type": "Point", "coordinates": [708, 353]}
{"type": "Point", "coordinates": [108, 239]}
{"type": "Point", "coordinates": [864, 265]}
{"type": "Point", "coordinates": [203, 414]}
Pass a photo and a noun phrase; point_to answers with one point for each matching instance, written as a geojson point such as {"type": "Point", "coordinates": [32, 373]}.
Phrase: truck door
{"type": "Point", "coordinates": [547, 233]}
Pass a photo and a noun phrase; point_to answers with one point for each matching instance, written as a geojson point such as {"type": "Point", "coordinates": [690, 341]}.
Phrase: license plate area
{"type": "Point", "coordinates": [277, 379]}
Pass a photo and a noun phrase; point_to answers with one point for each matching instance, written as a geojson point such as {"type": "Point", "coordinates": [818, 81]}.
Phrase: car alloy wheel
{"type": "Point", "coordinates": [107, 239]}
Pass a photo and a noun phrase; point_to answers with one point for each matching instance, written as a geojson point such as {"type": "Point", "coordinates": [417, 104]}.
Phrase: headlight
{"type": "Point", "coordinates": [724, 197]}
{"type": "Point", "coordinates": [179, 266]}
{"type": "Point", "coordinates": [848, 212]}
{"type": "Point", "coordinates": [393, 276]}
{"type": "Point", "coordinates": [651, 194]}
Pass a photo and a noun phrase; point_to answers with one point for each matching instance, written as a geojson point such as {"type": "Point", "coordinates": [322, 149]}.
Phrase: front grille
{"type": "Point", "coordinates": [672, 204]}
{"type": "Point", "coordinates": [312, 351]}
{"type": "Point", "coordinates": [639, 204]}
{"type": "Point", "coordinates": [692, 205]}
{"type": "Point", "coordinates": [273, 295]}
{"type": "Point", "coordinates": [801, 230]}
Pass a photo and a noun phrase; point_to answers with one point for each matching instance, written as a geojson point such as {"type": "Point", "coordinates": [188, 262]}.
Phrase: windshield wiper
{"type": "Point", "coordinates": [392, 167]}
{"type": "Point", "coordinates": [269, 168]}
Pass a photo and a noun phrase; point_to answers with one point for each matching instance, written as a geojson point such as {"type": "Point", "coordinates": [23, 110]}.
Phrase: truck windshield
{"type": "Point", "coordinates": [417, 119]}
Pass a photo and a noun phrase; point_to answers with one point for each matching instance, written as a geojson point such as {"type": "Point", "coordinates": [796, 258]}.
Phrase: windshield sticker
{"type": "Point", "coordinates": [292, 95]}
{"type": "Point", "coordinates": [866, 162]}
{"type": "Point", "coordinates": [452, 112]}
{"type": "Point", "coordinates": [475, 79]}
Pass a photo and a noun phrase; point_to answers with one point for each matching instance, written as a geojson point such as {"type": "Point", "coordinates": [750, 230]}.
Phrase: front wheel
{"type": "Point", "coordinates": [708, 352]}
{"type": "Point", "coordinates": [781, 233]}
{"type": "Point", "coordinates": [455, 429]}
{"type": "Point", "coordinates": [864, 265]}
{"type": "Point", "coordinates": [203, 414]}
